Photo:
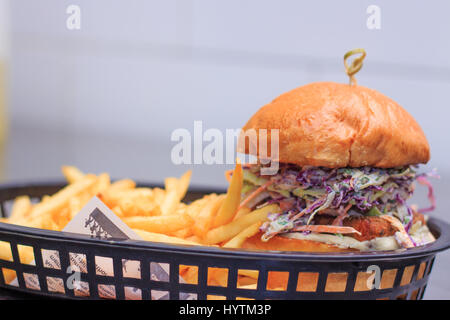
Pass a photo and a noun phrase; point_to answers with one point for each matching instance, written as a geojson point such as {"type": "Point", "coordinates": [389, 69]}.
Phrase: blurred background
{"type": "Point", "coordinates": [107, 96]}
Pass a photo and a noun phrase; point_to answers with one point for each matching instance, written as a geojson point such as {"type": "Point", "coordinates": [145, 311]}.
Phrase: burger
{"type": "Point", "coordinates": [348, 160]}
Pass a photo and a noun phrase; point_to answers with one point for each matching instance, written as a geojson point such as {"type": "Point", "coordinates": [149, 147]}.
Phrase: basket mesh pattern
{"type": "Point", "coordinates": [296, 278]}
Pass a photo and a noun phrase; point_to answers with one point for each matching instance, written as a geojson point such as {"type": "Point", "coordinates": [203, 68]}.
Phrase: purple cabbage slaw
{"type": "Point", "coordinates": [302, 192]}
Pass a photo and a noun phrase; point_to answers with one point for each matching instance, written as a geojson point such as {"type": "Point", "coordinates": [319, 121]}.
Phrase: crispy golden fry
{"type": "Point", "coordinates": [62, 197]}
{"type": "Point", "coordinates": [21, 208]}
{"type": "Point", "coordinates": [26, 256]}
{"type": "Point", "coordinates": [123, 184]}
{"type": "Point", "coordinates": [233, 198]}
{"type": "Point", "coordinates": [74, 206]}
{"type": "Point", "coordinates": [102, 184]}
{"type": "Point", "coordinates": [159, 224]}
{"type": "Point", "coordinates": [248, 273]}
{"type": "Point", "coordinates": [215, 297]}
{"type": "Point", "coordinates": [194, 239]}
{"type": "Point", "coordinates": [113, 196]}
{"type": "Point", "coordinates": [247, 284]}
{"type": "Point", "coordinates": [217, 277]}
{"type": "Point", "coordinates": [195, 207]}
{"type": "Point", "coordinates": [175, 192]}
{"type": "Point", "coordinates": [240, 238]}
{"type": "Point", "coordinates": [226, 232]}
{"type": "Point", "coordinates": [189, 274]}
{"type": "Point", "coordinates": [117, 211]}
{"type": "Point", "coordinates": [183, 184]}
{"type": "Point", "coordinates": [135, 206]}
{"type": "Point", "coordinates": [158, 195]}
{"type": "Point", "coordinates": [5, 251]}
{"type": "Point", "coordinates": [61, 219]}
{"type": "Point", "coordinates": [158, 237]}
{"type": "Point", "coordinates": [170, 203]}
{"type": "Point", "coordinates": [72, 174]}
{"type": "Point", "coordinates": [204, 219]}
{"type": "Point", "coordinates": [182, 233]}
{"type": "Point", "coordinates": [242, 212]}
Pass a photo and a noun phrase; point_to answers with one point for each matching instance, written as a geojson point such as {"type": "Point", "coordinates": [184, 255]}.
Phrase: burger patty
{"type": "Point", "coordinates": [369, 227]}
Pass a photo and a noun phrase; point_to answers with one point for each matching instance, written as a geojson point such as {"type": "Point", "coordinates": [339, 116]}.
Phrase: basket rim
{"type": "Point", "coordinates": [439, 227]}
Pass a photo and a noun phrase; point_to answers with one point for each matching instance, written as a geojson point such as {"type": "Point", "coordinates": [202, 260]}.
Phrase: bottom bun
{"type": "Point", "coordinates": [307, 281]}
{"type": "Point", "coordinates": [335, 282]}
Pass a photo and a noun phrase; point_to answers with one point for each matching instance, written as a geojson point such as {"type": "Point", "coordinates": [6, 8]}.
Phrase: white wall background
{"type": "Point", "coordinates": [108, 96]}
{"type": "Point", "coordinates": [137, 70]}
{"type": "Point", "coordinates": [140, 69]}
{"type": "Point", "coordinates": [147, 67]}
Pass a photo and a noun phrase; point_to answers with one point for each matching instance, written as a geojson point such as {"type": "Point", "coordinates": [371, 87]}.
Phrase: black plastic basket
{"type": "Point", "coordinates": [403, 273]}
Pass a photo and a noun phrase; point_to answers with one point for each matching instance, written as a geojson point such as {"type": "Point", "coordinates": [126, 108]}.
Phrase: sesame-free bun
{"type": "Point", "coordinates": [307, 281]}
{"type": "Point", "coordinates": [338, 125]}
{"type": "Point", "coordinates": [276, 280]}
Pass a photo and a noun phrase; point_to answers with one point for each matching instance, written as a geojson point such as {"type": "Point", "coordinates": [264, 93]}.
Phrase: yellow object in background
{"type": "Point", "coordinates": [3, 121]}
{"type": "Point", "coordinates": [4, 54]}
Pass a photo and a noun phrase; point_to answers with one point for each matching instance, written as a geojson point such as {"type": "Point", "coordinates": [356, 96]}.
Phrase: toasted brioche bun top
{"type": "Point", "coordinates": [338, 125]}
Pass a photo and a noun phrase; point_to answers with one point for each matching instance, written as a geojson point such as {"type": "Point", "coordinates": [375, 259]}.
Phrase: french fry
{"type": "Point", "coordinates": [72, 174]}
{"type": "Point", "coordinates": [62, 197]}
{"type": "Point", "coordinates": [228, 231]}
{"type": "Point", "coordinates": [196, 206]}
{"type": "Point", "coordinates": [103, 183]}
{"type": "Point", "coordinates": [61, 219]}
{"type": "Point", "coordinates": [74, 206]}
{"type": "Point", "coordinates": [21, 208]}
{"type": "Point", "coordinates": [113, 195]}
{"type": "Point", "coordinates": [170, 201]}
{"type": "Point", "coordinates": [117, 211]}
{"type": "Point", "coordinates": [184, 184]}
{"type": "Point", "coordinates": [138, 207]}
{"type": "Point", "coordinates": [247, 284]}
{"type": "Point", "coordinates": [175, 192]}
{"type": "Point", "coordinates": [240, 238]}
{"type": "Point", "coordinates": [158, 196]}
{"type": "Point", "coordinates": [5, 251]}
{"type": "Point", "coordinates": [26, 257]}
{"type": "Point", "coordinates": [242, 212]}
{"type": "Point", "coordinates": [123, 184]}
{"type": "Point", "coordinates": [159, 224]}
{"type": "Point", "coordinates": [217, 277]}
{"type": "Point", "coordinates": [249, 273]}
{"type": "Point", "coordinates": [190, 275]}
{"type": "Point", "coordinates": [232, 200]}
{"type": "Point", "coordinates": [182, 233]}
{"type": "Point", "coordinates": [158, 237]}
{"type": "Point", "coordinates": [204, 219]}
{"type": "Point", "coordinates": [194, 239]}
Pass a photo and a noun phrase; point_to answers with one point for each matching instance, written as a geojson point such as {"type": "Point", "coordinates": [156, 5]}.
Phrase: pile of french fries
{"type": "Point", "coordinates": [155, 214]}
